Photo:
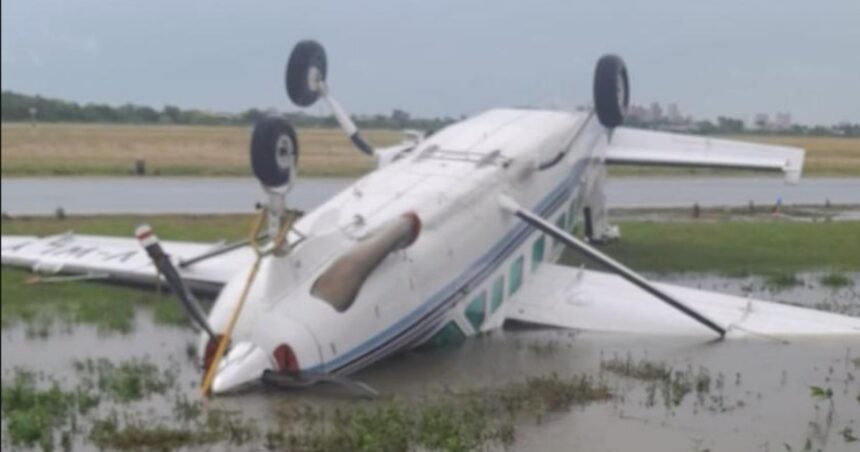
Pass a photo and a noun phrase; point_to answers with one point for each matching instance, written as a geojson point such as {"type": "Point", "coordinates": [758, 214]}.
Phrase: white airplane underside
{"type": "Point", "coordinates": [446, 239]}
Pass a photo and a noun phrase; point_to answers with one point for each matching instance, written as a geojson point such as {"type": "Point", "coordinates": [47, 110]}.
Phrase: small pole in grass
{"type": "Point", "coordinates": [777, 208]}
{"type": "Point", "coordinates": [697, 211]}
{"type": "Point", "coordinates": [140, 167]}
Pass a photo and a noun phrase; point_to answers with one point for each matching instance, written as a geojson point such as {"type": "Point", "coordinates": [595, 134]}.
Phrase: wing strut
{"type": "Point", "coordinates": [224, 249]}
{"type": "Point", "coordinates": [616, 267]}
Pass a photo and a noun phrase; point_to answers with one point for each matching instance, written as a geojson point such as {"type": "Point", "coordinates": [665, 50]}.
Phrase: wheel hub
{"type": "Point", "coordinates": [284, 152]}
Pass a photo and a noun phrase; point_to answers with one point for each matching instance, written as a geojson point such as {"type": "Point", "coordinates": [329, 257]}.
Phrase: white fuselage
{"type": "Point", "coordinates": [470, 255]}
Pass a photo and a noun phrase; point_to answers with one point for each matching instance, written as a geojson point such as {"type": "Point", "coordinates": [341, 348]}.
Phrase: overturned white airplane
{"type": "Point", "coordinates": [452, 235]}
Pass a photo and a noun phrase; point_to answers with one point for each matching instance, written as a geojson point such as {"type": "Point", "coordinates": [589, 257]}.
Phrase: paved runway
{"type": "Point", "coordinates": [41, 196]}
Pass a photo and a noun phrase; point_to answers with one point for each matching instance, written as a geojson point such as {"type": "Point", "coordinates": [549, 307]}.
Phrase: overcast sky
{"type": "Point", "coordinates": [451, 57]}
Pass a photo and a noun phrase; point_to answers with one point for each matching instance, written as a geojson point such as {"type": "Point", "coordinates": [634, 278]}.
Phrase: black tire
{"type": "Point", "coordinates": [274, 151]}
{"type": "Point", "coordinates": [306, 56]}
{"type": "Point", "coordinates": [611, 90]}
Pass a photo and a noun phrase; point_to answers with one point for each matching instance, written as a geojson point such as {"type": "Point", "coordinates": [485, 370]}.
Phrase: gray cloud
{"type": "Point", "coordinates": [443, 57]}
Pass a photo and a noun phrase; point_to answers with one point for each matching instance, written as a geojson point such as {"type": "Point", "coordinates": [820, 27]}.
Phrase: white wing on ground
{"type": "Point", "coordinates": [645, 147]}
{"type": "Point", "coordinates": [119, 259]}
{"type": "Point", "coordinates": [575, 298]}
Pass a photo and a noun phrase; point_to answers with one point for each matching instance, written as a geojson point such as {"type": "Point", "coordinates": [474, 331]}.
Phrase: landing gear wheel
{"type": "Point", "coordinates": [611, 90]}
{"type": "Point", "coordinates": [306, 67]}
{"type": "Point", "coordinates": [274, 152]}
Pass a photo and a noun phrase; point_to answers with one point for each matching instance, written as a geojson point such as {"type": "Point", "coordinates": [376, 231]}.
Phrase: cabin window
{"type": "Point", "coordinates": [475, 312]}
{"type": "Point", "coordinates": [560, 223]}
{"type": "Point", "coordinates": [498, 293]}
{"type": "Point", "coordinates": [516, 279]}
{"type": "Point", "coordinates": [449, 335]}
{"type": "Point", "coordinates": [537, 252]}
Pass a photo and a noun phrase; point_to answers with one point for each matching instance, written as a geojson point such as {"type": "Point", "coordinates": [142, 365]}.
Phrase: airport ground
{"type": "Point", "coordinates": [90, 366]}
{"type": "Point", "coordinates": [97, 149]}
{"type": "Point", "coordinates": [774, 248]}
{"type": "Point", "coordinates": [113, 367]}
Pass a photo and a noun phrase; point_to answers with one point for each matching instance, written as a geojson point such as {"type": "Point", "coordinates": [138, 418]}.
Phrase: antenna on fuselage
{"type": "Point", "coordinates": [306, 82]}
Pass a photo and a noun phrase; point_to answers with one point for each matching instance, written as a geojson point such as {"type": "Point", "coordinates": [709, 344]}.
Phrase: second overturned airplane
{"type": "Point", "coordinates": [452, 235]}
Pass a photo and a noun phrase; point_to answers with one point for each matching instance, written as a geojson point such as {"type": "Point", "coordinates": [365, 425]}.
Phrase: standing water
{"type": "Point", "coordinates": [747, 394]}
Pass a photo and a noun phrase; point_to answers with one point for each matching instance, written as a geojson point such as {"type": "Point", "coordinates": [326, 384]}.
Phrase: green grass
{"type": "Point", "coordinates": [736, 248]}
{"type": "Point", "coordinates": [126, 381]}
{"type": "Point", "coordinates": [836, 280]}
{"type": "Point", "coordinates": [673, 384]}
{"type": "Point", "coordinates": [33, 413]}
{"type": "Point", "coordinates": [642, 370]}
{"type": "Point", "coordinates": [782, 281]}
{"type": "Point", "coordinates": [35, 409]}
{"type": "Point", "coordinates": [775, 249]}
{"type": "Point", "coordinates": [108, 307]}
{"type": "Point", "coordinates": [479, 419]}
{"type": "Point", "coordinates": [476, 420]}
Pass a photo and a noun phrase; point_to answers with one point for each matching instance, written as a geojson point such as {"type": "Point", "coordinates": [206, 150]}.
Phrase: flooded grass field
{"type": "Point", "coordinates": [78, 384]}
{"type": "Point", "coordinates": [87, 366]}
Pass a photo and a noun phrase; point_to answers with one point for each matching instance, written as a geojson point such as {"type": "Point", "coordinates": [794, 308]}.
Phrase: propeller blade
{"type": "Point", "coordinates": [162, 262]}
{"type": "Point", "coordinates": [303, 380]}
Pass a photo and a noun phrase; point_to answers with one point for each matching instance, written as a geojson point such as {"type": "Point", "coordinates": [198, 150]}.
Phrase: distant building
{"type": "Point", "coordinates": [656, 112]}
{"type": "Point", "coordinates": [782, 121]}
{"type": "Point", "coordinates": [400, 115]}
{"type": "Point", "coordinates": [674, 114]}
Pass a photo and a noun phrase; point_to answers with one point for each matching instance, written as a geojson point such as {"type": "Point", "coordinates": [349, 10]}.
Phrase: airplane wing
{"type": "Point", "coordinates": [120, 259]}
{"type": "Point", "coordinates": [646, 147]}
{"type": "Point", "coordinates": [569, 297]}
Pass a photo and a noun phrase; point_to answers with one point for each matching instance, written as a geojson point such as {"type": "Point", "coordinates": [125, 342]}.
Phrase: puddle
{"type": "Point", "coordinates": [763, 400]}
{"type": "Point", "coordinates": [794, 213]}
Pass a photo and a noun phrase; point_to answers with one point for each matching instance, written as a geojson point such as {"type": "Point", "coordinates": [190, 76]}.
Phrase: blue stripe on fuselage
{"type": "Point", "coordinates": [482, 268]}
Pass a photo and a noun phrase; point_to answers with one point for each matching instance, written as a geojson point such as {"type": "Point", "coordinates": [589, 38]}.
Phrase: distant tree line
{"type": "Point", "coordinates": [18, 107]}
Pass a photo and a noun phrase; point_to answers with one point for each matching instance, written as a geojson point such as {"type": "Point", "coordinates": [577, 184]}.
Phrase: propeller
{"type": "Point", "coordinates": [165, 266]}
